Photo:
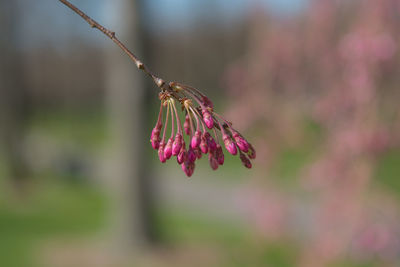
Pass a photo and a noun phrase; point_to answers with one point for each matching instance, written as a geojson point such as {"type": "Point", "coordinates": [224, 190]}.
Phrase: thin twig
{"type": "Point", "coordinates": [110, 34]}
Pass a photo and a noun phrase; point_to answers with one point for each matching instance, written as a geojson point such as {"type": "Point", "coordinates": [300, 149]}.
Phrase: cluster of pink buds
{"type": "Point", "coordinates": [201, 127]}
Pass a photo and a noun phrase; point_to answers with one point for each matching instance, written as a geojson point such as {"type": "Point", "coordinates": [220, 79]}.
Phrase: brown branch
{"type": "Point", "coordinates": [110, 34]}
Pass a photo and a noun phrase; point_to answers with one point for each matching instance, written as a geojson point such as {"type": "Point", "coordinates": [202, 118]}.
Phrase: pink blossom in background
{"type": "Point", "coordinates": [338, 66]}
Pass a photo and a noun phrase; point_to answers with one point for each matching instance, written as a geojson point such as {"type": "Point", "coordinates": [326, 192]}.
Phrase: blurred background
{"type": "Point", "coordinates": [313, 84]}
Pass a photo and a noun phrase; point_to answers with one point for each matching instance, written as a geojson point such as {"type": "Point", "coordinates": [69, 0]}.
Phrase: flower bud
{"type": "Point", "coordinates": [188, 167]}
{"type": "Point", "coordinates": [182, 155]}
{"type": "Point", "coordinates": [252, 152]}
{"type": "Point", "coordinates": [197, 151]}
{"type": "Point", "coordinates": [246, 162]}
{"type": "Point", "coordinates": [196, 139]}
{"type": "Point", "coordinates": [219, 154]}
{"type": "Point", "coordinates": [208, 119]}
{"type": "Point", "coordinates": [241, 142]}
{"type": "Point", "coordinates": [191, 155]}
{"type": "Point", "coordinates": [168, 149]}
{"type": "Point", "coordinates": [203, 144]}
{"type": "Point", "coordinates": [230, 145]}
{"type": "Point", "coordinates": [186, 125]}
{"type": "Point", "coordinates": [199, 142]}
{"type": "Point", "coordinates": [155, 137]}
{"type": "Point", "coordinates": [177, 145]}
{"type": "Point", "coordinates": [213, 161]}
{"type": "Point", "coordinates": [212, 145]}
{"type": "Point", "coordinates": [161, 152]}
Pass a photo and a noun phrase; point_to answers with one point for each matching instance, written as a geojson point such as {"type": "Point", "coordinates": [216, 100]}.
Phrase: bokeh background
{"type": "Point", "coordinates": [313, 84]}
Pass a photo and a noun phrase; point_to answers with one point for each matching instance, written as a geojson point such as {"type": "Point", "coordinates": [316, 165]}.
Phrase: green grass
{"type": "Point", "coordinates": [179, 226]}
{"type": "Point", "coordinates": [51, 211]}
{"type": "Point", "coordinates": [236, 244]}
{"type": "Point", "coordinates": [54, 206]}
{"type": "Point", "coordinates": [388, 171]}
{"type": "Point", "coordinates": [290, 162]}
{"type": "Point", "coordinates": [86, 128]}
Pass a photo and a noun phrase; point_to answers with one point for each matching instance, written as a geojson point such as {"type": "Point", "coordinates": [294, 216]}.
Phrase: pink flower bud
{"type": "Point", "coordinates": [161, 152]}
{"type": "Point", "coordinates": [246, 162]}
{"type": "Point", "coordinates": [230, 145]}
{"type": "Point", "coordinates": [197, 151]}
{"type": "Point", "coordinates": [203, 144]}
{"type": "Point", "coordinates": [155, 137]}
{"type": "Point", "coordinates": [168, 149]}
{"type": "Point", "coordinates": [219, 154]}
{"type": "Point", "coordinates": [196, 139]}
{"type": "Point", "coordinates": [199, 142]}
{"type": "Point", "coordinates": [208, 119]}
{"type": "Point", "coordinates": [188, 168]}
{"type": "Point", "coordinates": [252, 152]}
{"type": "Point", "coordinates": [191, 155]}
{"type": "Point", "coordinates": [186, 125]}
{"type": "Point", "coordinates": [241, 142]}
{"type": "Point", "coordinates": [177, 145]}
{"type": "Point", "coordinates": [212, 145]}
{"type": "Point", "coordinates": [213, 162]}
{"type": "Point", "coordinates": [182, 155]}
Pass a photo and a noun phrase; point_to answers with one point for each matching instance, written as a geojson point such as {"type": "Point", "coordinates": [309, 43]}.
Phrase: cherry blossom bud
{"type": "Point", "coordinates": [186, 125]}
{"type": "Point", "coordinates": [199, 143]}
{"type": "Point", "coordinates": [208, 119]}
{"type": "Point", "coordinates": [219, 154]}
{"type": "Point", "coordinates": [196, 139]}
{"type": "Point", "coordinates": [168, 149]}
{"type": "Point", "coordinates": [191, 155]}
{"type": "Point", "coordinates": [246, 162]}
{"type": "Point", "coordinates": [155, 137]}
{"type": "Point", "coordinates": [197, 151]}
{"type": "Point", "coordinates": [252, 152]}
{"type": "Point", "coordinates": [182, 155]}
{"type": "Point", "coordinates": [161, 152]}
{"type": "Point", "coordinates": [177, 145]}
{"type": "Point", "coordinates": [213, 161]}
{"type": "Point", "coordinates": [241, 142]}
{"type": "Point", "coordinates": [203, 144]}
{"type": "Point", "coordinates": [212, 145]}
{"type": "Point", "coordinates": [230, 145]}
{"type": "Point", "coordinates": [188, 167]}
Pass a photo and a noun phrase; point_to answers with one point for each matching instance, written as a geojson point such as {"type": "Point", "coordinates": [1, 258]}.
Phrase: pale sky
{"type": "Point", "coordinates": [49, 22]}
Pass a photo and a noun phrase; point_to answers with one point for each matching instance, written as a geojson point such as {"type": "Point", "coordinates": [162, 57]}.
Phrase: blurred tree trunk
{"type": "Point", "coordinates": [130, 179]}
{"type": "Point", "coordinates": [14, 100]}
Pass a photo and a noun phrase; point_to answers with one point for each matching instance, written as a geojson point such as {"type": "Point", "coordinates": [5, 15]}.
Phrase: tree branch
{"type": "Point", "coordinates": [110, 34]}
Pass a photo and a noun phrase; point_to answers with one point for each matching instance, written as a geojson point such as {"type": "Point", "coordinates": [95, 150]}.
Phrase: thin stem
{"type": "Point", "coordinates": [191, 122]}
{"type": "Point", "coordinates": [189, 87]}
{"type": "Point", "coordinates": [160, 114]}
{"type": "Point", "coordinates": [222, 128]}
{"type": "Point", "coordinates": [173, 119]}
{"type": "Point", "coordinates": [197, 119]}
{"type": "Point", "coordinates": [195, 98]}
{"type": "Point", "coordinates": [201, 121]}
{"type": "Point", "coordinates": [166, 123]}
{"type": "Point", "coordinates": [177, 118]}
{"type": "Point", "coordinates": [110, 34]}
{"type": "Point", "coordinates": [227, 122]}
{"type": "Point", "coordinates": [216, 136]}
